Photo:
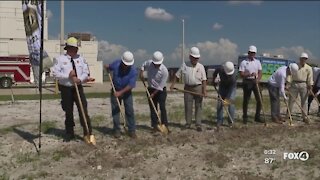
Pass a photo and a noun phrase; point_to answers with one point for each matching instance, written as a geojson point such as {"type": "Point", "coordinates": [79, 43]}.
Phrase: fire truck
{"type": "Point", "coordinates": [14, 69]}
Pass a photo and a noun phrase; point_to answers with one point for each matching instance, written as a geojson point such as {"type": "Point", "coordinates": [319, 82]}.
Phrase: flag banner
{"type": "Point", "coordinates": [32, 23]}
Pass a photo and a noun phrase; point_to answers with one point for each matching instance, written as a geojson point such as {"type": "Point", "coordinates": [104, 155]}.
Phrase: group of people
{"type": "Point", "coordinates": [71, 70]}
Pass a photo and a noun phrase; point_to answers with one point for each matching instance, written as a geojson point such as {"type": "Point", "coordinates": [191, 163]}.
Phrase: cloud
{"type": "Point", "coordinates": [217, 26]}
{"type": "Point", "coordinates": [292, 53]}
{"type": "Point", "coordinates": [158, 14]}
{"type": "Point", "coordinates": [245, 2]}
{"type": "Point", "coordinates": [49, 14]}
{"type": "Point", "coordinates": [108, 52]}
{"type": "Point", "coordinates": [212, 53]}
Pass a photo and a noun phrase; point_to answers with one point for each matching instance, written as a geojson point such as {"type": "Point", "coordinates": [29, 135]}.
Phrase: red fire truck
{"type": "Point", "coordinates": [14, 69]}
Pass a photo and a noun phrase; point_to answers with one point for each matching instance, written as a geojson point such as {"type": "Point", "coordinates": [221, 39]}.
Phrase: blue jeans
{"type": "Point", "coordinates": [226, 94]}
{"type": "Point", "coordinates": [129, 112]}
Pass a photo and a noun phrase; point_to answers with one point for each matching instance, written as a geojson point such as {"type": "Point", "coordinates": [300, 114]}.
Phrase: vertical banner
{"type": "Point", "coordinates": [32, 23]}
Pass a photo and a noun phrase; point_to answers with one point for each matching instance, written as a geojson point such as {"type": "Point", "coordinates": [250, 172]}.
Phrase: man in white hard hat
{"type": "Point", "coordinates": [70, 69]}
{"type": "Point", "coordinates": [315, 89]}
{"type": "Point", "coordinates": [227, 90]}
{"type": "Point", "coordinates": [195, 80]}
{"type": "Point", "coordinates": [276, 87]}
{"type": "Point", "coordinates": [301, 83]}
{"type": "Point", "coordinates": [124, 76]}
{"type": "Point", "coordinates": [157, 76]}
{"type": "Point", "coordinates": [251, 71]}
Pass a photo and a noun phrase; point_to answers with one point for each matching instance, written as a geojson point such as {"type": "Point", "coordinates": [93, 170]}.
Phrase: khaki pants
{"type": "Point", "coordinates": [188, 104]}
{"type": "Point", "coordinates": [301, 90]}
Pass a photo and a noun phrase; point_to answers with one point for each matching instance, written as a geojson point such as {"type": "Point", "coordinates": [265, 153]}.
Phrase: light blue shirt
{"type": "Point", "coordinates": [157, 77]}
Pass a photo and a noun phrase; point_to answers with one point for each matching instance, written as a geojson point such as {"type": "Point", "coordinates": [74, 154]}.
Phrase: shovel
{"type": "Point", "coordinates": [296, 101]}
{"type": "Point", "coordinates": [224, 107]}
{"type": "Point", "coordinates": [314, 96]}
{"type": "Point", "coordinates": [119, 105]}
{"type": "Point", "coordinates": [225, 101]}
{"type": "Point", "coordinates": [90, 139]}
{"type": "Point", "coordinates": [290, 117]}
{"type": "Point", "coordinates": [160, 126]}
{"type": "Point", "coordinates": [262, 107]}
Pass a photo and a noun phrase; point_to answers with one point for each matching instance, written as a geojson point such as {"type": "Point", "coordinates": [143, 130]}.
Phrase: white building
{"type": "Point", "coordinates": [13, 38]}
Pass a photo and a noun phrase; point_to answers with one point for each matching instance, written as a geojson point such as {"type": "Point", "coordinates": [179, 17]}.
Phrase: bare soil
{"type": "Point", "coordinates": [231, 153]}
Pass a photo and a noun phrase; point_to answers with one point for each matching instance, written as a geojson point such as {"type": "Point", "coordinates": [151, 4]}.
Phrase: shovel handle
{"type": "Point", "coordinates": [314, 96]}
{"type": "Point", "coordinates": [289, 112]}
{"type": "Point", "coordinates": [150, 99]}
{"type": "Point", "coordinates": [262, 106]}
{"type": "Point", "coordinates": [296, 101]}
{"type": "Point", "coordinates": [224, 107]}
{"type": "Point", "coordinates": [118, 102]}
{"type": "Point", "coordinates": [81, 108]}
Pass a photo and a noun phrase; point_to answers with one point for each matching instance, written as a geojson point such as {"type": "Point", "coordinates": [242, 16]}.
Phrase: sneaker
{"type": "Point", "coordinates": [132, 134]}
{"type": "Point", "coordinates": [199, 129]}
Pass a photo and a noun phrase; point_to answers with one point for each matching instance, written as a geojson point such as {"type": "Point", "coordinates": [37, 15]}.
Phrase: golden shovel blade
{"type": "Point", "coordinates": [92, 140]}
{"type": "Point", "coordinates": [86, 139]}
{"type": "Point", "coordinates": [162, 128]}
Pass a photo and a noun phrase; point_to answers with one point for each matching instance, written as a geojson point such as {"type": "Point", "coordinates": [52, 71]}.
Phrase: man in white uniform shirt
{"type": "Point", "coordinates": [276, 86]}
{"type": "Point", "coordinates": [71, 69]}
{"type": "Point", "coordinates": [195, 80]}
{"type": "Point", "coordinates": [157, 75]}
{"type": "Point", "coordinates": [251, 71]}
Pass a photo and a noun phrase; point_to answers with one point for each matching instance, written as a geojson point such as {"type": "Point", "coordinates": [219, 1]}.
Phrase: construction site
{"type": "Point", "coordinates": [252, 151]}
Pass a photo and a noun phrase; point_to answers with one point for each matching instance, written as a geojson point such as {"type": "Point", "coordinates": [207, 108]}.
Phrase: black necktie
{"type": "Point", "coordinates": [74, 66]}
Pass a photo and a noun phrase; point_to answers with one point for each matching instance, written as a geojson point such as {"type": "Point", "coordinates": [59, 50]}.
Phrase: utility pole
{"type": "Point", "coordinates": [61, 26]}
{"type": "Point", "coordinates": [182, 40]}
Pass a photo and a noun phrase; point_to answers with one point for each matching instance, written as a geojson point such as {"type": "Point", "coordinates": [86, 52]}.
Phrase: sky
{"type": "Point", "coordinates": [222, 30]}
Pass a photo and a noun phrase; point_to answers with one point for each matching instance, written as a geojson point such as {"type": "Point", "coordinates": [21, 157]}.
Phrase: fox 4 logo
{"type": "Point", "coordinates": [302, 156]}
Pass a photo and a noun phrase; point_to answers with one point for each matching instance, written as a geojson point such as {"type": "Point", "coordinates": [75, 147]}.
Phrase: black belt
{"type": "Point", "coordinates": [299, 81]}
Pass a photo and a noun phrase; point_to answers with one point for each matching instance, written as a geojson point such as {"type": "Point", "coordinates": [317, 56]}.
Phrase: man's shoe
{"type": "Point", "coordinates": [132, 134]}
{"type": "Point", "coordinates": [259, 120]}
{"type": "Point", "coordinates": [68, 137]}
{"type": "Point", "coordinates": [187, 126]}
{"type": "Point", "coordinates": [306, 121]}
{"type": "Point", "coordinates": [199, 129]}
{"type": "Point", "coordinates": [281, 120]}
{"type": "Point", "coordinates": [276, 120]}
{"type": "Point", "coordinates": [116, 134]}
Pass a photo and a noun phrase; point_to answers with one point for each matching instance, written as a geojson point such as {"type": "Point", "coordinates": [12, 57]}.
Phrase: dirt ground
{"type": "Point", "coordinates": [248, 152]}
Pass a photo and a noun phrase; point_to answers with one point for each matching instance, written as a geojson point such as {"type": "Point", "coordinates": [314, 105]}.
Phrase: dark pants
{"type": "Point", "coordinates": [129, 112]}
{"type": "Point", "coordinates": [315, 89]}
{"type": "Point", "coordinates": [68, 97]}
{"type": "Point", "coordinates": [160, 98]}
{"type": "Point", "coordinates": [248, 87]}
{"type": "Point", "coordinates": [274, 101]}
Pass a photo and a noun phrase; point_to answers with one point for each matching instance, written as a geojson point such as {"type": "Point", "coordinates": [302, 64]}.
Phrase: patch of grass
{"type": "Point", "coordinates": [275, 165]}
{"type": "Point", "coordinates": [59, 154]}
{"type": "Point", "coordinates": [97, 120]}
{"type": "Point", "coordinates": [142, 117]}
{"type": "Point", "coordinates": [30, 176]}
{"type": "Point", "coordinates": [176, 113]}
{"type": "Point", "coordinates": [4, 176]}
{"type": "Point", "coordinates": [26, 157]}
{"type": "Point", "coordinates": [141, 100]}
{"type": "Point", "coordinates": [10, 129]}
{"type": "Point", "coordinates": [47, 126]}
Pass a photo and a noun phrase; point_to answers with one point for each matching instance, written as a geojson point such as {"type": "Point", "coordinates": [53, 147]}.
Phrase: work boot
{"type": "Point", "coordinates": [132, 134]}
{"type": "Point", "coordinates": [116, 134]}
{"type": "Point", "coordinates": [306, 121]}
{"type": "Point", "coordinates": [276, 120]}
{"type": "Point", "coordinates": [199, 129]}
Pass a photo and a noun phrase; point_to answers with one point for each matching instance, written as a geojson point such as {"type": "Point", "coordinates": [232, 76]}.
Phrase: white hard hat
{"type": "Point", "coordinates": [71, 41]}
{"type": "Point", "coordinates": [252, 49]}
{"type": "Point", "coordinates": [157, 57]}
{"type": "Point", "coordinates": [293, 68]}
{"type": "Point", "coordinates": [127, 58]}
{"type": "Point", "coordinates": [194, 52]}
{"type": "Point", "coordinates": [228, 68]}
{"type": "Point", "coordinates": [304, 55]}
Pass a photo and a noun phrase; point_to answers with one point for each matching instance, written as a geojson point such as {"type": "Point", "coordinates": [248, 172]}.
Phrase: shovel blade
{"type": "Point", "coordinates": [86, 139]}
{"type": "Point", "coordinates": [92, 140]}
{"type": "Point", "coordinates": [162, 128]}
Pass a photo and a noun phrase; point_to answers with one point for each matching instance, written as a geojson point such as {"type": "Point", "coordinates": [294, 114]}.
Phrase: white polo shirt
{"type": "Point", "coordinates": [278, 78]}
{"type": "Point", "coordinates": [192, 75]}
{"type": "Point", "coordinates": [250, 66]}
